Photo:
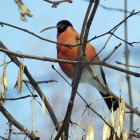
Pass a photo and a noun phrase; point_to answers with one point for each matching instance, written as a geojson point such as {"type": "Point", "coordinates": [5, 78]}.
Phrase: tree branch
{"type": "Point", "coordinates": [67, 61]}
{"type": "Point", "coordinates": [10, 118]}
{"type": "Point", "coordinates": [35, 85]}
{"type": "Point", "coordinates": [56, 3]}
{"type": "Point", "coordinates": [23, 97]}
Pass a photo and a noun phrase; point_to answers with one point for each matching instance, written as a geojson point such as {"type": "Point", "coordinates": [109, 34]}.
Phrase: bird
{"type": "Point", "coordinates": [66, 34]}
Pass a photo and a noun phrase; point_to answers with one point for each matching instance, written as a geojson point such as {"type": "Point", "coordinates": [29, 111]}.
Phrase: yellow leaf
{"type": "Point", "coordinates": [90, 133]}
{"type": "Point", "coordinates": [20, 78]}
{"type": "Point", "coordinates": [120, 118]}
{"type": "Point", "coordinates": [112, 118]}
{"type": "Point", "coordinates": [4, 81]}
{"type": "Point", "coordinates": [106, 132]}
{"type": "Point", "coordinates": [125, 135]}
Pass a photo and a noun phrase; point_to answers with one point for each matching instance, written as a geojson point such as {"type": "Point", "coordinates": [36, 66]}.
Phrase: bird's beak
{"type": "Point", "coordinates": [48, 28]}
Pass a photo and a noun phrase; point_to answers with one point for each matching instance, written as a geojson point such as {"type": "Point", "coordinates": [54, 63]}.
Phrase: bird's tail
{"type": "Point", "coordinates": [110, 101]}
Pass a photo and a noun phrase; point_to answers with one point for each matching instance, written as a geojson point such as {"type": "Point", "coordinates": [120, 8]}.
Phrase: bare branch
{"type": "Point", "coordinates": [77, 74]}
{"type": "Point", "coordinates": [40, 82]}
{"type": "Point", "coordinates": [68, 61]}
{"type": "Point", "coordinates": [67, 45]}
{"type": "Point", "coordinates": [56, 3]}
{"type": "Point", "coordinates": [17, 124]}
{"type": "Point", "coordinates": [23, 97]}
{"type": "Point", "coordinates": [120, 63]}
{"type": "Point", "coordinates": [115, 48]}
{"type": "Point", "coordinates": [35, 85]}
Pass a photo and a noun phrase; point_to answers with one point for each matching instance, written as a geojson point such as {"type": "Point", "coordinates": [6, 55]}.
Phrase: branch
{"type": "Point", "coordinates": [120, 63]}
{"type": "Point", "coordinates": [67, 45]}
{"type": "Point", "coordinates": [114, 9]}
{"type": "Point", "coordinates": [56, 3]}
{"type": "Point", "coordinates": [77, 73]}
{"type": "Point", "coordinates": [29, 32]}
{"type": "Point", "coordinates": [115, 48]}
{"type": "Point", "coordinates": [10, 118]}
{"type": "Point", "coordinates": [67, 61]}
{"type": "Point", "coordinates": [116, 26]}
{"type": "Point", "coordinates": [35, 85]}
{"type": "Point", "coordinates": [40, 82]}
{"type": "Point", "coordinates": [23, 97]}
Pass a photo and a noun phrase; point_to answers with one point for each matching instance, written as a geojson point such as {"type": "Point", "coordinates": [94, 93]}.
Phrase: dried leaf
{"type": "Point", "coordinates": [112, 118]}
{"type": "Point", "coordinates": [23, 10]}
{"type": "Point", "coordinates": [4, 81]}
{"type": "Point", "coordinates": [43, 106]}
{"type": "Point", "coordinates": [125, 135]}
{"type": "Point", "coordinates": [20, 78]}
{"type": "Point", "coordinates": [120, 119]}
{"type": "Point", "coordinates": [90, 133]}
{"type": "Point", "coordinates": [106, 132]}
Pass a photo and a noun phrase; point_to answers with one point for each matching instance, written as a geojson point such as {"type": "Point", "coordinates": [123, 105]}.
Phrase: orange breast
{"type": "Point", "coordinates": [68, 37]}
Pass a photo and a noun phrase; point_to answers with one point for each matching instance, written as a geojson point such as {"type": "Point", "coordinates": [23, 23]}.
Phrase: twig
{"type": "Point", "coordinates": [29, 32]}
{"type": "Point", "coordinates": [114, 9]}
{"type": "Point", "coordinates": [23, 97]}
{"type": "Point", "coordinates": [17, 124]}
{"type": "Point", "coordinates": [125, 41]}
{"type": "Point", "coordinates": [110, 31]}
{"type": "Point", "coordinates": [6, 63]}
{"type": "Point", "coordinates": [67, 45]}
{"type": "Point", "coordinates": [115, 48]}
{"type": "Point", "coordinates": [40, 82]}
{"type": "Point", "coordinates": [56, 3]}
{"type": "Point", "coordinates": [3, 138]}
{"type": "Point", "coordinates": [120, 63]}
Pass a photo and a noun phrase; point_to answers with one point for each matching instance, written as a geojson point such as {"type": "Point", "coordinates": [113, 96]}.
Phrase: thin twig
{"type": "Point", "coordinates": [23, 97]}
{"type": "Point", "coordinates": [115, 48]}
{"type": "Point", "coordinates": [114, 9]}
{"type": "Point", "coordinates": [116, 26]}
{"type": "Point", "coordinates": [128, 65]}
{"type": "Point", "coordinates": [3, 138]}
{"type": "Point", "coordinates": [67, 45]}
{"type": "Point", "coordinates": [40, 82]}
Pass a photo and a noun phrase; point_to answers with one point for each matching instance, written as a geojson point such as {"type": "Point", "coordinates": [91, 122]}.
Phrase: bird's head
{"type": "Point", "coordinates": [62, 25]}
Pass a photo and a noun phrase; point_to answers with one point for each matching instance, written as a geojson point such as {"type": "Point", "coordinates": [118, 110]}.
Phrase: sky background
{"type": "Point", "coordinates": [58, 93]}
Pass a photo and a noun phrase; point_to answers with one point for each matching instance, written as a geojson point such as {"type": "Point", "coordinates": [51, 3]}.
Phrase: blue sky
{"type": "Point", "coordinates": [45, 16]}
